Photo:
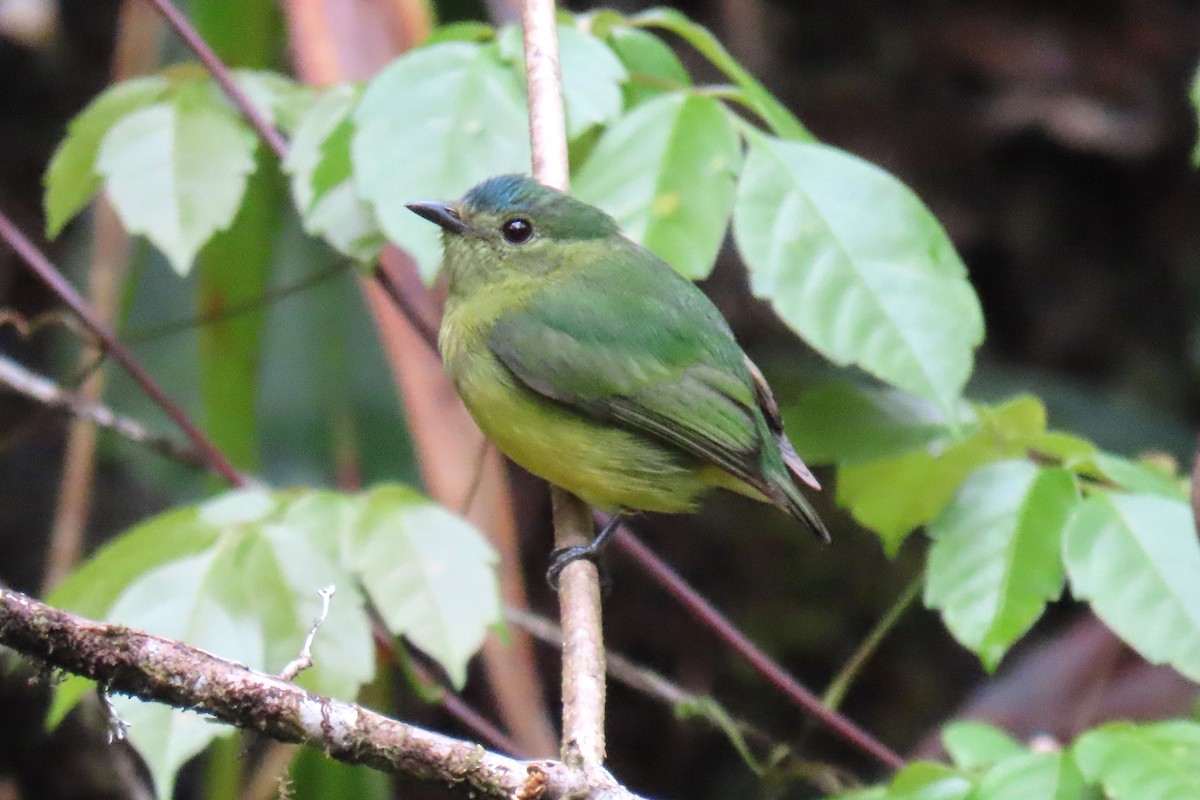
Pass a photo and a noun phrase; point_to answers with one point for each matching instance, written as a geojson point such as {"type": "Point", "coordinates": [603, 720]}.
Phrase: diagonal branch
{"type": "Point", "coordinates": [57, 284]}
{"type": "Point", "coordinates": [762, 663]}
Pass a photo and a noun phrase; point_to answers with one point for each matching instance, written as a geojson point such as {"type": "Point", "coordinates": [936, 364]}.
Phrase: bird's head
{"type": "Point", "coordinates": [512, 222]}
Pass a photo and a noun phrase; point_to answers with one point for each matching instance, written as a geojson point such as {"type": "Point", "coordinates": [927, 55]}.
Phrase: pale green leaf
{"type": "Point", "coordinates": [893, 495]}
{"type": "Point", "coordinates": [853, 261]}
{"type": "Point", "coordinates": [430, 573]}
{"type": "Point", "coordinates": [1159, 761]}
{"type": "Point", "coordinates": [1139, 477]}
{"type": "Point", "coordinates": [973, 745]}
{"type": "Point", "coordinates": [1033, 776]}
{"type": "Point", "coordinates": [465, 31]}
{"type": "Point", "coordinates": [653, 67]}
{"type": "Point", "coordinates": [323, 186]}
{"type": "Point", "coordinates": [995, 560]}
{"type": "Point", "coordinates": [1136, 559]}
{"type": "Point", "coordinates": [666, 173]}
{"type": "Point", "coordinates": [237, 576]}
{"type": "Point", "coordinates": [434, 123]}
{"type": "Point", "coordinates": [851, 424]}
{"type": "Point", "coordinates": [71, 178]}
{"type": "Point", "coordinates": [592, 76]}
{"type": "Point", "coordinates": [924, 780]}
{"type": "Point", "coordinates": [755, 96]}
{"type": "Point", "coordinates": [176, 171]}
{"type": "Point", "coordinates": [283, 101]}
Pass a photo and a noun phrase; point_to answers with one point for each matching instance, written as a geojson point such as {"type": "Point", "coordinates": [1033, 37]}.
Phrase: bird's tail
{"type": "Point", "coordinates": [787, 493]}
{"type": "Point", "coordinates": [788, 497]}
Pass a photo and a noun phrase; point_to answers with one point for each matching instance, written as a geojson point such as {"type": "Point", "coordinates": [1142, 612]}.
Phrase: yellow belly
{"type": "Point", "coordinates": [607, 467]}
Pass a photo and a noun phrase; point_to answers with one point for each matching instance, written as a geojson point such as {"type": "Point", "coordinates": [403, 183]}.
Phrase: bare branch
{"type": "Point", "coordinates": [152, 668]}
{"type": "Point", "coordinates": [57, 284]}
{"type": "Point", "coordinates": [48, 393]}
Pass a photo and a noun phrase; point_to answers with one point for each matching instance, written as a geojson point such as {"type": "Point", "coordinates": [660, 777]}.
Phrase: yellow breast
{"type": "Point", "coordinates": [608, 467]}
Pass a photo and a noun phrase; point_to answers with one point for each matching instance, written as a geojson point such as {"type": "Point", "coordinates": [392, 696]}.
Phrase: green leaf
{"type": "Point", "coordinates": [281, 99]}
{"type": "Point", "coordinates": [652, 66]}
{"type": "Point", "coordinates": [872, 793]}
{"type": "Point", "coordinates": [315, 776]}
{"type": "Point", "coordinates": [71, 178]}
{"type": "Point", "coordinates": [1070, 450]}
{"type": "Point", "coordinates": [233, 271]}
{"type": "Point", "coordinates": [666, 173]}
{"type": "Point", "coordinates": [1139, 477]}
{"type": "Point", "coordinates": [466, 31]}
{"type": "Point", "coordinates": [323, 186]}
{"type": "Point", "coordinates": [893, 495]}
{"type": "Point", "coordinates": [1159, 761]}
{"type": "Point", "coordinates": [852, 261]}
{"type": "Point", "coordinates": [176, 171]}
{"type": "Point", "coordinates": [1136, 559]}
{"type": "Point", "coordinates": [591, 75]}
{"type": "Point", "coordinates": [431, 574]}
{"type": "Point", "coordinates": [924, 780]}
{"type": "Point", "coordinates": [237, 576]}
{"type": "Point", "coordinates": [973, 745]}
{"type": "Point", "coordinates": [244, 33]}
{"type": "Point", "coordinates": [1033, 776]}
{"type": "Point", "coordinates": [434, 123]}
{"type": "Point", "coordinates": [754, 95]}
{"type": "Point", "coordinates": [847, 423]}
{"type": "Point", "coordinates": [995, 559]}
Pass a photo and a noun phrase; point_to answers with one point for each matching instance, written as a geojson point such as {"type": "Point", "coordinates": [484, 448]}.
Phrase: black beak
{"type": "Point", "coordinates": [441, 213]}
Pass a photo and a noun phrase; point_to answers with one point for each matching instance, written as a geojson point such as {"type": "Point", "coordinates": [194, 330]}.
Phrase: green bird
{"type": "Point", "coordinates": [594, 365]}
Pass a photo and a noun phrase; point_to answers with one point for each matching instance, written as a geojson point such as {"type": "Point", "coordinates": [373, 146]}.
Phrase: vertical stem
{"type": "Point", "coordinates": [547, 121]}
{"type": "Point", "coordinates": [579, 586]}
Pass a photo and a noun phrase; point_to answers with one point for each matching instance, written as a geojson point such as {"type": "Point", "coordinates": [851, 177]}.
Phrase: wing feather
{"type": "Point", "coordinates": [631, 341]}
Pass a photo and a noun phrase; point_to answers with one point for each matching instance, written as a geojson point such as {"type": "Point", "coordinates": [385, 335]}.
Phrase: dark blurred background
{"type": "Point", "coordinates": [1054, 142]}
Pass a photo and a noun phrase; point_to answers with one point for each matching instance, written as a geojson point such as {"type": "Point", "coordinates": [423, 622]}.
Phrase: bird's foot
{"type": "Point", "coordinates": [560, 558]}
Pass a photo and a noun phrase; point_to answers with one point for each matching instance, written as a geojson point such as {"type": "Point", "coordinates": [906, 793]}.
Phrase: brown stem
{"type": "Point", "coordinates": [223, 76]}
{"type": "Point", "coordinates": [762, 663]}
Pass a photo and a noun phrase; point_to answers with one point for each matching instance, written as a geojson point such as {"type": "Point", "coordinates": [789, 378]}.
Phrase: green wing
{"type": "Point", "coordinates": [630, 341]}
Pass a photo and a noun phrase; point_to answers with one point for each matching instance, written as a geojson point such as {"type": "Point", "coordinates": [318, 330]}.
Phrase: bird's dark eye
{"type": "Point", "coordinates": [517, 231]}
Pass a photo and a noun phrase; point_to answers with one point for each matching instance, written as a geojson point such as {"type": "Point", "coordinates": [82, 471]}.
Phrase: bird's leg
{"type": "Point", "coordinates": [565, 555]}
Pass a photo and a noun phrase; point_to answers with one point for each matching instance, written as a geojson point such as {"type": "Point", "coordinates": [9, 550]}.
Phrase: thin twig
{"type": "Point", "coordinates": [153, 668]}
{"type": "Point", "coordinates": [762, 663]}
{"type": "Point", "coordinates": [305, 660]}
{"type": "Point", "coordinates": [57, 284]}
{"type": "Point", "coordinates": [45, 391]}
{"type": "Point", "coordinates": [841, 682]}
{"type": "Point", "coordinates": [223, 76]}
